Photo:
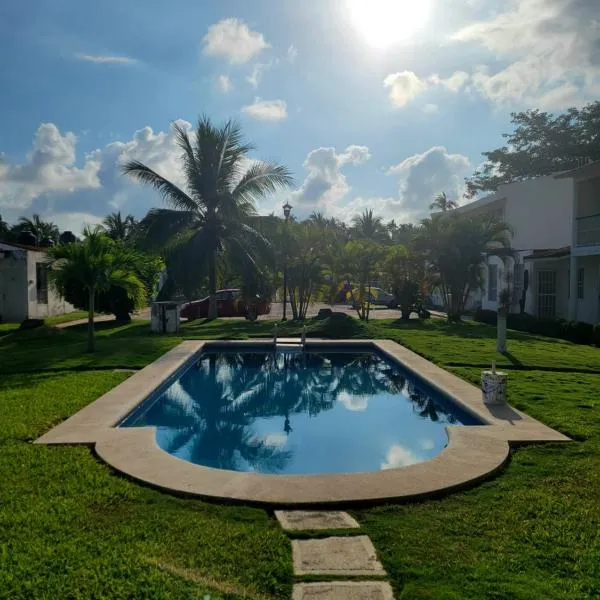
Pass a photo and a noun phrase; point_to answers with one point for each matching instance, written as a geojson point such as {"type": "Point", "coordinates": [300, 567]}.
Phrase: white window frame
{"type": "Point", "coordinates": [546, 293]}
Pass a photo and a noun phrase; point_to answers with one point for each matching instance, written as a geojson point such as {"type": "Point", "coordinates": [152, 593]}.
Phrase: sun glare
{"type": "Point", "coordinates": [385, 22]}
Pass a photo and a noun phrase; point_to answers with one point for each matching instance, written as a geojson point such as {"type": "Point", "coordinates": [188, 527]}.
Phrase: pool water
{"type": "Point", "coordinates": [310, 412]}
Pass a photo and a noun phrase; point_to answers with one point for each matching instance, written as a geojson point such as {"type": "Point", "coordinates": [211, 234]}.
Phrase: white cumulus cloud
{"type": "Point", "coordinates": [403, 87]}
{"type": "Point", "coordinates": [399, 456]}
{"type": "Point", "coordinates": [234, 41]}
{"type": "Point", "coordinates": [266, 110]}
{"type": "Point", "coordinates": [224, 83]}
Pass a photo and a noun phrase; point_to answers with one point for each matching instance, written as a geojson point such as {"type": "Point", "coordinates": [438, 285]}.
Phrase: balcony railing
{"type": "Point", "coordinates": [588, 231]}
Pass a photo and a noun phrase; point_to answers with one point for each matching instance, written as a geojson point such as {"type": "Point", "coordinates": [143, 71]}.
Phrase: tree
{"type": "Point", "coordinates": [541, 144]}
{"type": "Point", "coordinates": [118, 227]}
{"type": "Point", "coordinates": [405, 269]}
{"type": "Point", "coordinates": [212, 216]}
{"type": "Point", "coordinates": [455, 246]}
{"type": "Point", "coordinates": [4, 229]}
{"type": "Point", "coordinates": [67, 237]}
{"type": "Point", "coordinates": [361, 259]}
{"type": "Point", "coordinates": [442, 203]}
{"type": "Point", "coordinates": [367, 226]}
{"type": "Point", "coordinates": [40, 229]}
{"type": "Point", "coordinates": [96, 263]}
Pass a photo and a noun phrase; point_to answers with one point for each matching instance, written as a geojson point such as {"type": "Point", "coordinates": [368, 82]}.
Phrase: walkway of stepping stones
{"type": "Point", "coordinates": [343, 557]}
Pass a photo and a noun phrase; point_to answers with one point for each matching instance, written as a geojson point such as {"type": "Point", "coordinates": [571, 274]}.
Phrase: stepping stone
{"type": "Point", "coordinates": [343, 590]}
{"type": "Point", "coordinates": [305, 520]}
{"type": "Point", "coordinates": [348, 556]}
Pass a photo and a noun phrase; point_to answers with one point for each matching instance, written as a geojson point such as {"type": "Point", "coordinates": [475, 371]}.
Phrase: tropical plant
{"type": "Point", "coordinates": [40, 229]}
{"type": "Point", "coordinates": [118, 227]}
{"type": "Point", "coordinates": [455, 247]}
{"type": "Point", "coordinates": [442, 203]}
{"type": "Point", "coordinates": [96, 264]}
{"type": "Point", "coordinates": [4, 229]}
{"type": "Point", "coordinates": [212, 215]}
{"type": "Point", "coordinates": [367, 226]}
{"type": "Point", "coordinates": [406, 272]}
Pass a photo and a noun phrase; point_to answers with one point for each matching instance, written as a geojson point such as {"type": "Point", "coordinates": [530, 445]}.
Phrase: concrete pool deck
{"type": "Point", "coordinates": [472, 453]}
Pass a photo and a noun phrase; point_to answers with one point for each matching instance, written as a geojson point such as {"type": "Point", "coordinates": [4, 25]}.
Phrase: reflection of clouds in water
{"type": "Point", "coordinates": [399, 456]}
{"type": "Point", "coordinates": [426, 444]}
{"type": "Point", "coordinates": [275, 440]}
{"type": "Point", "coordinates": [353, 403]}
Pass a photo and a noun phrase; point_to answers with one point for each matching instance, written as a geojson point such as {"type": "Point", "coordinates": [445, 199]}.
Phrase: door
{"type": "Point", "coordinates": [546, 293]}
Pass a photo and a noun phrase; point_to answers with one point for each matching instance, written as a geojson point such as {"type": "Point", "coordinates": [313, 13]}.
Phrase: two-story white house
{"type": "Point", "coordinates": [25, 292]}
{"type": "Point", "coordinates": [556, 225]}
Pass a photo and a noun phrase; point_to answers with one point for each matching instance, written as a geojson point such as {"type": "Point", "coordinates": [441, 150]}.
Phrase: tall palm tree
{"type": "Point", "coordinates": [96, 263]}
{"type": "Point", "coordinates": [213, 214]}
{"type": "Point", "coordinates": [369, 227]}
{"type": "Point", "coordinates": [118, 227]}
{"type": "Point", "coordinates": [39, 228]}
{"type": "Point", "coordinates": [442, 203]}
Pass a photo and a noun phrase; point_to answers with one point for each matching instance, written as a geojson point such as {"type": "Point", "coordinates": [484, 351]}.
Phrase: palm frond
{"type": "Point", "coordinates": [162, 226]}
{"type": "Point", "coordinates": [261, 179]}
{"type": "Point", "coordinates": [172, 194]}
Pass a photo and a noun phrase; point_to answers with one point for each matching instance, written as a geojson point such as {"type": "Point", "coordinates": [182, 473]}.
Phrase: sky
{"type": "Point", "coordinates": [376, 104]}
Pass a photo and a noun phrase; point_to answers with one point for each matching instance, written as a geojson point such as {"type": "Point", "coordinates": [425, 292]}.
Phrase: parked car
{"type": "Point", "coordinates": [230, 303]}
{"type": "Point", "coordinates": [377, 297]}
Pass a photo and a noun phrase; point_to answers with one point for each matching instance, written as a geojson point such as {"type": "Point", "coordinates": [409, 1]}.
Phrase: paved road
{"type": "Point", "coordinates": [376, 313]}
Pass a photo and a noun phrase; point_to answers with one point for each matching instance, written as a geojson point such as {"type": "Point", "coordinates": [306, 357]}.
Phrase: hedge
{"type": "Point", "coordinates": [577, 332]}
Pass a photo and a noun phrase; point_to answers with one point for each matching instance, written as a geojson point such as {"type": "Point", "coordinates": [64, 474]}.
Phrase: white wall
{"type": "Point", "coordinates": [13, 285]}
{"type": "Point", "coordinates": [56, 305]}
{"type": "Point", "coordinates": [539, 211]}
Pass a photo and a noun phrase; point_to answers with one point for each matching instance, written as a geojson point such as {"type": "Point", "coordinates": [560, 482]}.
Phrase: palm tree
{"type": "Point", "coordinates": [4, 229]}
{"type": "Point", "coordinates": [369, 227]}
{"type": "Point", "coordinates": [117, 227]}
{"type": "Point", "coordinates": [455, 247]}
{"type": "Point", "coordinates": [39, 228]}
{"type": "Point", "coordinates": [212, 215]}
{"type": "Point", "coordinates": [96, 263]}
{"type": "Point", "coordinates": [442, 203]}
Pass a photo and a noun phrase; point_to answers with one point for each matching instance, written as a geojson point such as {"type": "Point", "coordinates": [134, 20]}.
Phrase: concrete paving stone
{"type": "Point", "coordinates": [305, 520]}
{"type": "Point", "coordinates": [347, 556]}
{"type": "Point", "coordinates": [343, 590]}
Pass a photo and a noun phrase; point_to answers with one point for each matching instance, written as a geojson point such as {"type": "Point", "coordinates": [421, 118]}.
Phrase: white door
{"type": "Point", "coordinates": [546, 293]}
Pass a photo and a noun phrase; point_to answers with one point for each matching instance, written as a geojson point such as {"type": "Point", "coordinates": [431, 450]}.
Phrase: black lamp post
{"type": "Point", "coordinates": [287, 209]}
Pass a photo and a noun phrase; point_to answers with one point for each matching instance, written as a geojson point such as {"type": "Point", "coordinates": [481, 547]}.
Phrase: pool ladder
{"type": "Point", "coordinates": [290, 344]}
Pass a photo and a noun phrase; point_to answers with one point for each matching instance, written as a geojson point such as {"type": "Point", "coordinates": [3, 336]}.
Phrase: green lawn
{"type": "Point", "coordinates": [70, 528]}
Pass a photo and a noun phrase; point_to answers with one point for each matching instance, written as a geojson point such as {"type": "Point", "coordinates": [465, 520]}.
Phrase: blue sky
{"type": "Point", "coordinates": [372, 103]}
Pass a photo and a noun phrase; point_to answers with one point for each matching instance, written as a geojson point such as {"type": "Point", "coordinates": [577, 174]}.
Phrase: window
{"type": "Point", "coordinates": [580, 283]}
{"type": "Point", "coordinates": [41, 283]}
{"type": "Point", "coordinates": [546, 296]}
{"type": "Point", "coordinates": [492, 283]}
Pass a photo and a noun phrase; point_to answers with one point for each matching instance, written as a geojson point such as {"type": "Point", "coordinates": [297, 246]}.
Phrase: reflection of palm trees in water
{"type": "Point", "coordinates": [425, 405]}
{"type": "Point", "coordinates": [210, 411]}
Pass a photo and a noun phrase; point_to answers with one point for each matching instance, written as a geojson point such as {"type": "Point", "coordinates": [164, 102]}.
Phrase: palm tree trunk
{"type": "Point", "coordinates": [91, 337]}
{"type": "Point", "coordinates": [212, 286]}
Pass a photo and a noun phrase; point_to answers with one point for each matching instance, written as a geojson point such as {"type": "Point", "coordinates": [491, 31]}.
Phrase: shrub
{"type": "Point", "coordinates": [573, 331]}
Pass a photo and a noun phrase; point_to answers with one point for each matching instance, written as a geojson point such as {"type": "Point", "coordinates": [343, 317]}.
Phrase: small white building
{"type": "Point", "coordinates": [25, 292]}
{"type": "Point", "coordinates": [556, 225]}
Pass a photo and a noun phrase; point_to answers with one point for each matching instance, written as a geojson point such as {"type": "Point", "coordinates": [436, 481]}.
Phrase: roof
{"type": "Point", "coordinates": [549, 253]}
{"type": "Point", "coordinates": [480, 202]}
{"type": "Point", "coordinates": [591, 169]}
{"type": "Point", "coordinates": [23, 246]}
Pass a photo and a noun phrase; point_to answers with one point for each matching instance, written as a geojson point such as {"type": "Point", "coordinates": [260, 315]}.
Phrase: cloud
{"type": "Point", "coordinates": [232, 40]}
{"type": "Point", "coordinates": [325, 184]}
{"type": "Point", "coordinates": [292, 54]}
{"type": "Point", "coordinates": [423, 176]}
{"type": "Point", "coordinates": [353, 403]}
{"type": "Point", "coordinates": [431, 109]}
{"type": "Point", "coordinates": [106, 59]}
{"type": "Point", "coordinates": [266, 110]}
{"type": "Point", "coordinates": [49, 183]}
{"type": "Point", "coordinates": [385, 207]}
{"type": "Point", "coordinates": [276, 440]}
{"type": "Point", "coordinates": [224, 83]}
{"type": "Point", "coordinates": [258, 71]}
{"type": "Point", "coordinates": [49, 167]}
{"type": "Point", "coordinates": [549, 53]}
{"type": "Point", "coordinates": [404, 87]}
{"type": "Point", "coordinates": [399, 456]}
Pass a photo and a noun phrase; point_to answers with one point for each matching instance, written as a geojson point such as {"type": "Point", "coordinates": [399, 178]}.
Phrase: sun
{"type": "Point", "coordinates": [385, 22]}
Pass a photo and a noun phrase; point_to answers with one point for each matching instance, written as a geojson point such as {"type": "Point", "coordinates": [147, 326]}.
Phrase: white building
{"type": "Point", "coordinates": [556, 225]}
{"type": "Point", "coordinates": [24, 289]}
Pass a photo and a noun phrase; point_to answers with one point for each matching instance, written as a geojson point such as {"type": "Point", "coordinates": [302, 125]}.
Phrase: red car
{"type": "Point", "coordinates": [230, 303]}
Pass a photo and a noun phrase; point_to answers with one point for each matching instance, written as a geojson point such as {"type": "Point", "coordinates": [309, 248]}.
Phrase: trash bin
{"type": "Point", "coordinates": [165, 317]}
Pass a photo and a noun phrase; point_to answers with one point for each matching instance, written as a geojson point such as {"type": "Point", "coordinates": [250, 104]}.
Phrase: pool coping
{"type": "Point", "coordinates": [473, 452]}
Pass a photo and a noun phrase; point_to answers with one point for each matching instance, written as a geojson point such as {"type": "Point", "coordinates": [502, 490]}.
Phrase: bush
{"type": "Point", "coordinates": [572, 331]}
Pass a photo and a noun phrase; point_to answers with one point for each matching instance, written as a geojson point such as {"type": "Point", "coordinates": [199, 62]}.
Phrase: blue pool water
{"type": "Point", "coordinates": [299, 413]}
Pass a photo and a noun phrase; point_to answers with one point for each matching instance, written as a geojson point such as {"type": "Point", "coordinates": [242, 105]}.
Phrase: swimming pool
{"type": "Point", "coordinates": [317, 411]}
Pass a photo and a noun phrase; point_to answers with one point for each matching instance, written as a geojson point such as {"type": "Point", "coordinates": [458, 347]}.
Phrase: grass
{"type": "Point", "coordinates": [71, 528]}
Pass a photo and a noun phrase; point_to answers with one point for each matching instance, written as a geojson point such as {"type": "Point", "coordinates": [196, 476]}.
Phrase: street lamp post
{"type": "Point", "coordinates": [287, 209]}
